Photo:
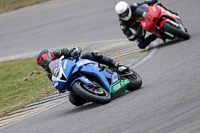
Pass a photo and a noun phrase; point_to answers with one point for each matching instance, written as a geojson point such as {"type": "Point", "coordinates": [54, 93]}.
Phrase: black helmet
{"type": "Point", "coordinates": [43, 59]}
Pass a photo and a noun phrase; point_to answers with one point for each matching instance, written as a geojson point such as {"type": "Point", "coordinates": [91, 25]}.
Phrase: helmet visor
{"type": "Point", "coordinates": [124, 14]}
{"type": "Point", "coordinates": [45, 64]}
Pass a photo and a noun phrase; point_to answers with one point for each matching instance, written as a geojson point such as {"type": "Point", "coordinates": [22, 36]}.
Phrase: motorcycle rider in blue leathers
{"type": "Point", "coordinates": [45, 56]}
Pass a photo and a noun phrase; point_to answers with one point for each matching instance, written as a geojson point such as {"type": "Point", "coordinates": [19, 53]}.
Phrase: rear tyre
{"type": "Point", "coordinates": [95, 94]}
{"type": "Point", "coordinates": [175, 31]}
{"type": "Point", "coordinates": [135, 80]}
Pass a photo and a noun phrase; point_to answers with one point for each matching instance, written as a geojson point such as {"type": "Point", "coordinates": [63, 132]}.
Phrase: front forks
{"type": "Point", "coordinates": [180, 25]}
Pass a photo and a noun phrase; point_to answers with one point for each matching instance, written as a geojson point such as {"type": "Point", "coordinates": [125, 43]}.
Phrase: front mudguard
{"type": "Point", "coordinates": [84, 80]}
{"type": "Point", "coordinates": [163, 22]}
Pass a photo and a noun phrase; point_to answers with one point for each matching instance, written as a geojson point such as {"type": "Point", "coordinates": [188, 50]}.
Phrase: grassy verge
{"type": "Point", "coordinates": [22, 82]}
{"type": "Point", "coordinates": [9, 5]}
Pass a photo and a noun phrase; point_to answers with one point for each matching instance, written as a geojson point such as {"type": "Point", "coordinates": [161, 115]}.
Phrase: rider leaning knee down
{"type": "Point", "coordinates": [127, 22]}
{"type": "Point", "coordinates": [45, 56]}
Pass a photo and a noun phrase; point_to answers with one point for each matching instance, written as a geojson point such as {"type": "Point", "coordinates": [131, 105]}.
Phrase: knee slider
{"type": "Point", "coordinates": [142, 46]}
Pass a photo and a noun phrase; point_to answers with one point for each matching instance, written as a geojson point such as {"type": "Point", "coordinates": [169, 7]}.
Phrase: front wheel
{"type": "Point", "coordinates": [95, 94]}
{"type": "Point", "coordinates": [175, 31]}
{"type": "Point", "coordinates": [134, 78]}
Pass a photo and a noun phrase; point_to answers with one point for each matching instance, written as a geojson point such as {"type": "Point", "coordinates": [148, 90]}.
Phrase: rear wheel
{"type": "Point", "coordinates": [175, 31]}
{"type": "Point", "coordinates": [96, 94]}
{"type": "Point", "coordinates": [134, 78]}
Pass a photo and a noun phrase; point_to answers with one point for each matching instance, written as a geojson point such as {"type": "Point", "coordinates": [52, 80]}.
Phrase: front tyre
{"type": "Point", "coordinates": [95, 94]}
{"type": "Point", "coordinates": [175, 31]}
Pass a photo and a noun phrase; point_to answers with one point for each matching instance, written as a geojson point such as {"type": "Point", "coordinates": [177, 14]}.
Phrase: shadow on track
{"type": "Point", "coordinates": [171, 42]}
{"type": "Point", "coordinates": [85, 107]}
{"type": "Point", "coordinates": [91, 105]}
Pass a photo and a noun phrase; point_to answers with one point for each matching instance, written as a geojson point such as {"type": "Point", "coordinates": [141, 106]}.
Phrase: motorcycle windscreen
{"type": "Point", "coordinates": [141, 12]}
{"type": "Point", "coordinates": [148, 16]}
{"type": "Point", "coordinates": [54, 67]}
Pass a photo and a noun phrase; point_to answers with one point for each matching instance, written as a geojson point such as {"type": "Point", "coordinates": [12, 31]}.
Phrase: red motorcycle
{"type": "Point", "coordinates": [160, 22]}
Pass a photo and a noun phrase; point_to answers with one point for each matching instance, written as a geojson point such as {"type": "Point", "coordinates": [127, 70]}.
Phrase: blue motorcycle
{"type": "Point", "coordinates": [92, 81]}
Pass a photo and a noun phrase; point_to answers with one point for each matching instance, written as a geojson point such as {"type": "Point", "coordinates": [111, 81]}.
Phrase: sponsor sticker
{"type": "Point", "coordinates": [114, 77]}
{"type": "Point", "coordinates": [124, 82]}
{"type": "Point", "coordinates": [144, 14]}
{"type": "Point", "coordinates": [83, 63]}
{"type": "Point", "coordinates": [56, 84]}
{"type": "Point", "coordinates": [154, 9]}
{"type": "Point", "coordinates": [116, 87]}
{"type": "Point", "coordinates": [65, 64]}
{"type": "Point", "coordinates": [144, 24]}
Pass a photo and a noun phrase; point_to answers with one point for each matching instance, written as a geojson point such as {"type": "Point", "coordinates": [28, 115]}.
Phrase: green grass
{"type": "Point", "coordinates": [9, 5]}
{"type": "Point", "coordinates": [22, 82]}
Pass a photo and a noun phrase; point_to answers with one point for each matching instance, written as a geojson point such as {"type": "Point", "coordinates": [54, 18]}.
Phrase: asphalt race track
{"type": "Point", "coordinates": [169, 100]}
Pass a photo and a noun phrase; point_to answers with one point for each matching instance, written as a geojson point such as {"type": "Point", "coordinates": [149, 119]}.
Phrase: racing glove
{"type": "Point", "coordinates": [76, 52]}
{"type": "Point", "coordinates": [136, 35]}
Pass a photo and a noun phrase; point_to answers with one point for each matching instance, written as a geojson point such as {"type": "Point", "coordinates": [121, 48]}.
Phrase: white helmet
{"type": "Point", "coordinates": [123, 10]}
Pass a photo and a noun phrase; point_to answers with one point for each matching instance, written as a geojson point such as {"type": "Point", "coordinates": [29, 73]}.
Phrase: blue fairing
{"type": "Point", "coordinates": [69, 67]}
{"type": "Point", "coordinates": [59, 85]}
{"type": "Point", "coordinates": [97, 72]}
{"type": "Point", "coordinates": [84, 80]}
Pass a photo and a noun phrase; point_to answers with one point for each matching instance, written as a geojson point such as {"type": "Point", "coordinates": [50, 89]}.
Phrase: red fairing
{"type": "Point", "coordinates": [148, 23]}
{"type": "Point", "coordinates": [162, 23]}
{"type": "Point", "coordinates": [155, 18]}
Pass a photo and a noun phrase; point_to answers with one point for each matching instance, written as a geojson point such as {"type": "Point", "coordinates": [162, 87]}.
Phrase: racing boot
{"type": "Point", "coordinates": [119, 68]}
{"type": "Point", "coordinates": [122, 69]}
{"type": "Point", "coordinates": [144, 42]}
